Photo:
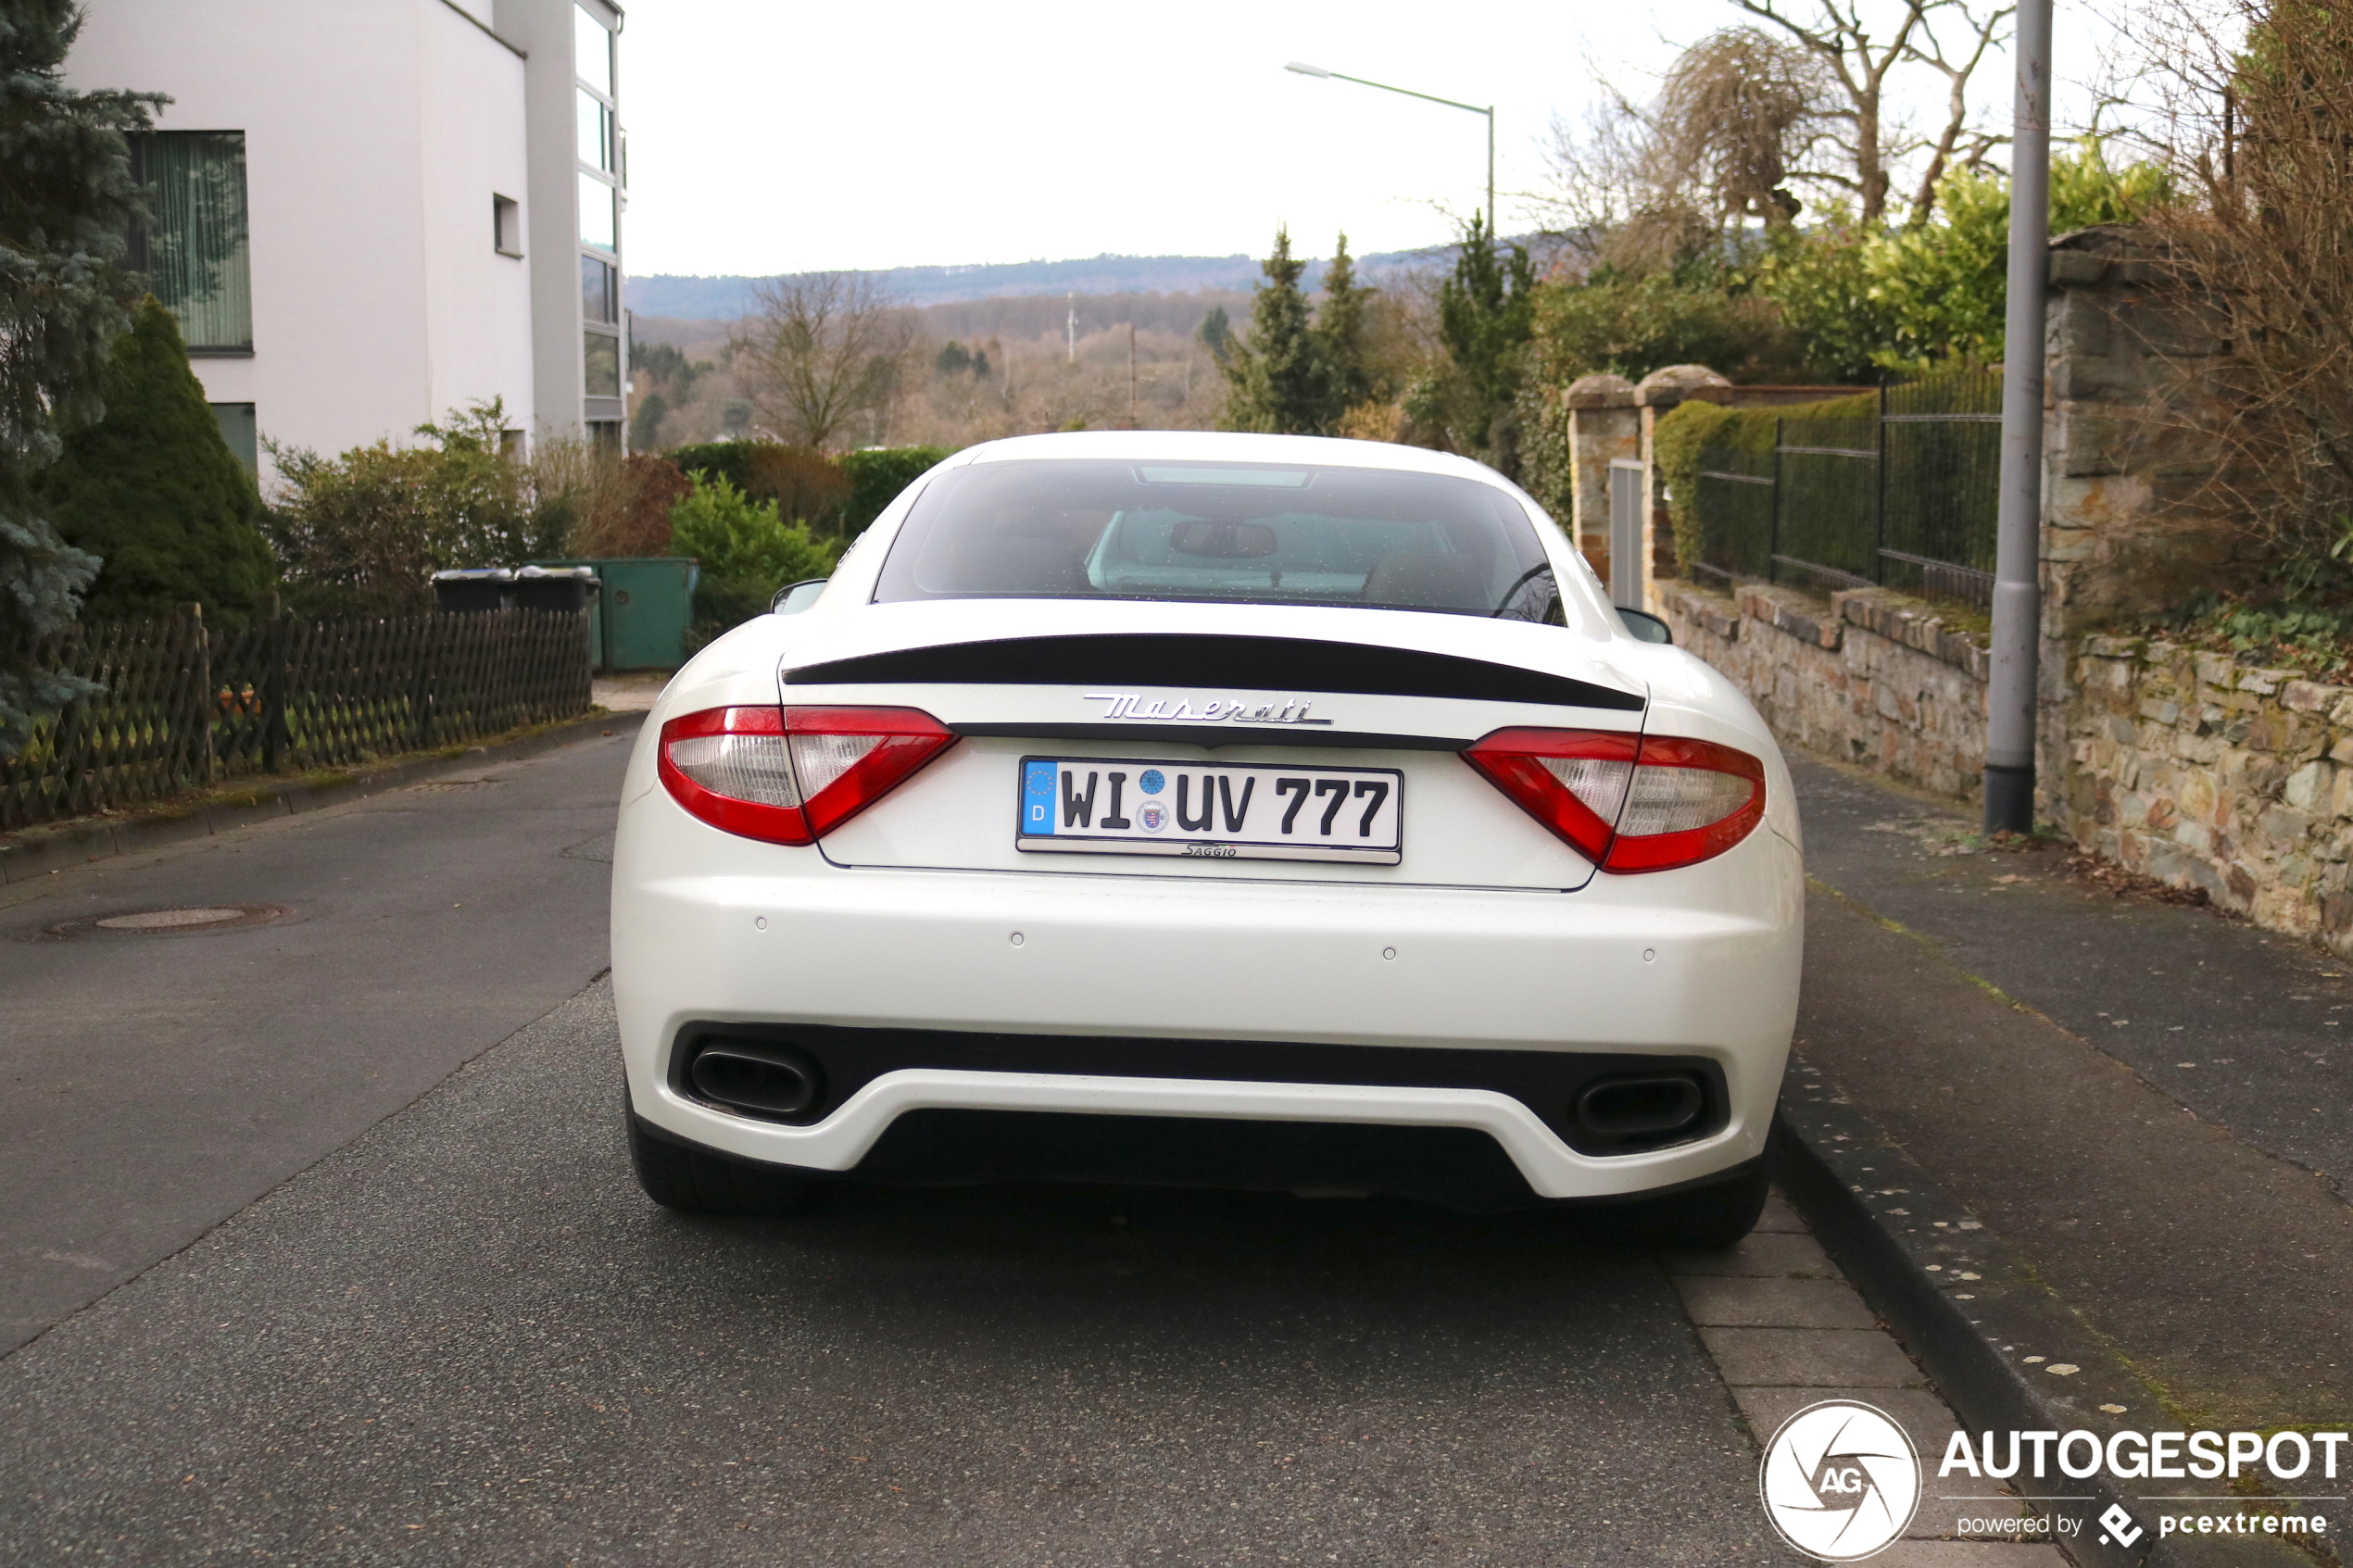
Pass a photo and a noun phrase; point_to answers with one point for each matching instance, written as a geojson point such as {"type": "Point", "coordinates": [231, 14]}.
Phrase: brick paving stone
{"type": "Point", "coordinates": [1918, 1411]}
{"type": "Point", "coordinates": [1765, 1255]}
{"type": "Point", "coordinates": [1773, 1303]}
{"type": "Point", "coordinates": [1809, 1358]}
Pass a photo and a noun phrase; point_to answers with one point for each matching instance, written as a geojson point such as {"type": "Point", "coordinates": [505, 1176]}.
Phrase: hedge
{"type": "Point", "coordinates": [876, 475]}
{"type": "Point", "coordinates": [1690, 428]}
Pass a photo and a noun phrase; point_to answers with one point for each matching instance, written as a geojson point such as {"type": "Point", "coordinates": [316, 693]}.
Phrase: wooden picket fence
{"type": "Point", "coordinates": [183, 707]}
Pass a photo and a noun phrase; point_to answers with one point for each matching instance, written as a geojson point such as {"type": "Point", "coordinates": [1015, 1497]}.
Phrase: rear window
{"type": "Point", "coordinates": [1221, 532]}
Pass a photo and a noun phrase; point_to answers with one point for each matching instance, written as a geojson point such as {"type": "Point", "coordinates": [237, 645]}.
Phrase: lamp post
{"type": "Point", "coordinates": [2011, 693]}
{"type": "Point", "coordinates": [1489, 111]}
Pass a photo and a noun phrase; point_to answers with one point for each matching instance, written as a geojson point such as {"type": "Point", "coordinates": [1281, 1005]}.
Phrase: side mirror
{"type": "Point", "coordinates": [1646, 626]}
{"type": "Point", "coordinates": [796, 598]}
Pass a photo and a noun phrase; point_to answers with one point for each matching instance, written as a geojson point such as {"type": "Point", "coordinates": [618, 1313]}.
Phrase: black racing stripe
{"type": "Point", "coordinates": [1292, 664]}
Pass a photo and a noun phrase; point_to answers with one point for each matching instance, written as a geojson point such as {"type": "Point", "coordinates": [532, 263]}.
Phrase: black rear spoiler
{"type": "Point", "coordinates": [1241, 663]}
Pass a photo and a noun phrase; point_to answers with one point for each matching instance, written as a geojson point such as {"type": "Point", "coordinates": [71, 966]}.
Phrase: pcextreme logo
{"type": "Point", "coordinates": [1840, 1481]}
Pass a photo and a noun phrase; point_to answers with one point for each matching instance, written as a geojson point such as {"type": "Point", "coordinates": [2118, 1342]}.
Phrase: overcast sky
{"type": "Point", "coordinates": [768, 137]}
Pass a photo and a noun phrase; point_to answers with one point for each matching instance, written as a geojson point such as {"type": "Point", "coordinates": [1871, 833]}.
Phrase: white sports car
{"type": "Point", "coordinates": [1241, 810]}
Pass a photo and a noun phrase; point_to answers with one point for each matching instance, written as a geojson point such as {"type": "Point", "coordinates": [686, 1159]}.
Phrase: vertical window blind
{"type": "Point", "coordinates": [194, 247]}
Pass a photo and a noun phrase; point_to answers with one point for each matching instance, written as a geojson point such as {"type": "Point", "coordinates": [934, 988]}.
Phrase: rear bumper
{"type": "Point", "coordinates": [1696, 964]}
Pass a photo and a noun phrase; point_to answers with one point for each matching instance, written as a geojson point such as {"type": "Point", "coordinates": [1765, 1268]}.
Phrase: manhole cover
{"type": "Point", "coordinates": [451, 786]}
{"type": "Point", "coordinates": [168, 919]}
{"type": "Point", "coordinates": [193, 921]}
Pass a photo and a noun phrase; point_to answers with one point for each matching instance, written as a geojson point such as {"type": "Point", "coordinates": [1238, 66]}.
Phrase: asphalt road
{"type": "Point", "coordinates": [158, 1084]}
{"type": "Point", "coordinates": [459, 1334]}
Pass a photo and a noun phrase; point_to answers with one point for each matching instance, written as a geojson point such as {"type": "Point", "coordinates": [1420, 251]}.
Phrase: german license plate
{"type": "Point", "coordinates": [1224, 811]}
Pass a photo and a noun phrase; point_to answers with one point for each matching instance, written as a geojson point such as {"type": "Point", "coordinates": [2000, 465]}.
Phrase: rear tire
{"type": "Point", "coordinates": [697, 1181]}
{"type": "Point", "coordinates": [1711, 1218]}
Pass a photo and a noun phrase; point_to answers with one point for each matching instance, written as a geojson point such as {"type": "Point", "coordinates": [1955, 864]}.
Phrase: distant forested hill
{"type": "Point", "coordinates": [724, 298]}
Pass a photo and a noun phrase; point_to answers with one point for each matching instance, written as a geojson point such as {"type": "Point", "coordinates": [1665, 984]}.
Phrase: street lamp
{"type": "Point", "coordinates": [1489, 111]}
{"type": "Point", "coordinates": [2012, 690]}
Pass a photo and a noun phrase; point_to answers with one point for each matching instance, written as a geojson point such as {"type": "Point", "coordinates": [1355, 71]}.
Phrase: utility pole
{"type": "Point", "coordinates": [1072, 327]}
{"type": "Point", "coordinates": [1131, 375]}
{"type": "Point", "coordinates": [2011, 707]}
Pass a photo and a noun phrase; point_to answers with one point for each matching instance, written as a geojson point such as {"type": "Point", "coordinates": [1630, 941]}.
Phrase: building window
{"type": "Point", "coordinates": [194, 246]}
{"type": "Point", "coordinates": [238, 430]}
{"type": "Point", "coordinates": [591, 51]}
{"type": "Point", "coordinates": [597, 225]}
{"type": "Point", "coordinates": [598, 147]}
{"type": "Point", "coordinates": [601, 354]}
{"type": "Point", "coordinates": [596, 133]}
{"type": "Point", "coordinates": [599, 292]}
{"type": "Point", "coordinates": [506, 225]}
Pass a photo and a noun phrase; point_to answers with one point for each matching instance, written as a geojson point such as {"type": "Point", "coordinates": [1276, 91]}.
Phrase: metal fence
{"type": "Point", "coordinates": [184, 707]}
{"type": "Point", "coordinates": [1848, 496]}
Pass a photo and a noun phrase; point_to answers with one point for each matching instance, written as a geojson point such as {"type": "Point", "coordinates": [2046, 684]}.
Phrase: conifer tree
{"type": "Point", "coordinates": [153, 490]}
{"type": "Point", "coordinates": [1216, 333]}
{"type": "Point", "coordinates": [1340, 336]}
{"type": "Point", "coordinates": [1485, 312]}
{"type": "Point", "coordinates": [66, 203]}
{"type": "Point", "coordinates": [1277, 380]}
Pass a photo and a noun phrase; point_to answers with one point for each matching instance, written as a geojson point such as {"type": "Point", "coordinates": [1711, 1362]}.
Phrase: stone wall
{"type": "Point", "coordinates": [2203, 772]}
{"type": "Point", "coordinates": [2132, 523]}
{"type": "Point", "coordinates": [2179, 764]}
{"type": "Point", "coordinates": [1871, 676]}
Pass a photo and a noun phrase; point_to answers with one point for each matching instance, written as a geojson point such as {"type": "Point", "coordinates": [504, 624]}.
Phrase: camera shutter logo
{"type": "Point", "coordinates": [1840, 1481]}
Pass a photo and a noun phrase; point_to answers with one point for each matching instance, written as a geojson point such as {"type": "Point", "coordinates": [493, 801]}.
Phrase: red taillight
{"type": "Point", "coordinates": [1628, 803]}
{"type": "Point", "coordinates": [791, 775]}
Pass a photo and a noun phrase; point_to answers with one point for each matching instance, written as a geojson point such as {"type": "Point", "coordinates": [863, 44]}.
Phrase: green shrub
{"type": "Point", "coordinates": [832, 494]}
{"type": "Point", "coordinates": [747, 553]}
{"type": "Point", "coordinates": [730, 460]}
{"type": "Point", "coordinates": [877, 475]}
{"type": "Point", "coordinates": [362, 534]}
{"type": "Point", "coordinates": [153, 490]}
{"type": "Point", "coordinates": [1912, 299]}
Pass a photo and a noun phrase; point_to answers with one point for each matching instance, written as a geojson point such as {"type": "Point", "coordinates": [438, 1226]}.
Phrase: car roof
{"type": "Point", "coordinates": [1206, 445]}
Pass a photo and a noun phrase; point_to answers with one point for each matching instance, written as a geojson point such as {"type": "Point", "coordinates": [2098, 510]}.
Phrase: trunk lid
{"type": "Point", "coordinates": [1091, 711]}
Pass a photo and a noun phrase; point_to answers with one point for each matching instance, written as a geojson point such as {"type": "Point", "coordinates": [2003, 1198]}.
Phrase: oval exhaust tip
{"type": "Point", "coordinates": [748, 1075]}
{"type": "Point", "coordinates": [1644, 1106]}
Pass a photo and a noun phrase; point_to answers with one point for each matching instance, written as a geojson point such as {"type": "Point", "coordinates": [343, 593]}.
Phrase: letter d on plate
{"type": "Point", "coordinates": [1036, 798]}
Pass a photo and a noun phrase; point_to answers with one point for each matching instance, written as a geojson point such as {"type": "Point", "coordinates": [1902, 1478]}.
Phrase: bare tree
{"type": "Point", "coordinates": [2249, 106]}
{"type": "Point", "coordinates": [823, 354]}
{"type": "Point", "coordinates": [1871, 140]}
{"type": "Point", "coordinates": [1749, 116]}
{"type": "Point", "coordinates": [1740, 115]}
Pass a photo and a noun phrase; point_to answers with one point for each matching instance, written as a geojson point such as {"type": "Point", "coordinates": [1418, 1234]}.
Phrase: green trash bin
{"type": "Point", "coordinates": [639, 618]}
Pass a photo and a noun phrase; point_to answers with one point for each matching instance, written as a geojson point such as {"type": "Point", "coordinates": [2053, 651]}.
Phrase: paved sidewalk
{"type": "Point", "coordinates": [631, 691]}
{"type": "Point", "coordinates": [1787, 1331]}
{"type": "Point", "coordinates": [2146, 1102]}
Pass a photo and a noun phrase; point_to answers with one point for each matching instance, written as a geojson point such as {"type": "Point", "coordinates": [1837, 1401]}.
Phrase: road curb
{"type": "Point", "coordinates": [1956, 1296]}
{"type": "Point", "coordinates": [36, 852]}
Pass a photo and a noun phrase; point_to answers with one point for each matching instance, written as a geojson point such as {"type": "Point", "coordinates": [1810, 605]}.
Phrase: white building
{"type": "Point", "coordinates": [369, 213]}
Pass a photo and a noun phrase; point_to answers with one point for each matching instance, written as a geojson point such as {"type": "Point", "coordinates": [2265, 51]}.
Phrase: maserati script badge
{"type": "Point", "coordinates": [1130, 705]}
